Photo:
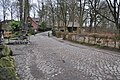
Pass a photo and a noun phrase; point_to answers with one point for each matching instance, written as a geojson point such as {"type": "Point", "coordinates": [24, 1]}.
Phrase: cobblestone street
{"type": "Point", "coordinates": [49, 58]}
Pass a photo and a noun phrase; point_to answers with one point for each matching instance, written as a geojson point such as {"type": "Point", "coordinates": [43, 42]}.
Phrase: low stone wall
{"type": "Point", "coordinates": [7, 67]}
{"type": "Point", "coordinates": [95, 38]}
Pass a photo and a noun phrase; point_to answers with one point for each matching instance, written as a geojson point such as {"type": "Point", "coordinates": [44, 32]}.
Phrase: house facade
{"type": "Point", "coordinates": [33, 23]}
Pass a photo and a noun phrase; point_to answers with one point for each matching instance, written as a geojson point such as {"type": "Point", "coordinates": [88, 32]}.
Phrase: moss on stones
{"type": "Point", "coordinates": [8, 73]}
{"type": "Point", "coordinates": [7, 67]}
{"type": "Point", "coordinates": [5, 51]}
{"type": "Point", "coordinates": [7, 62]}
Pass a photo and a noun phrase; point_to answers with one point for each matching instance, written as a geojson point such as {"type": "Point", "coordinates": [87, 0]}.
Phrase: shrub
{"type": "Point", "coordinates": [15, 34]}
{"type": "Point", "coordinates": [53, 32]}
{"type": "Point", "coordinates": [5, 51]}
{"type": "Point", "coordinates": [58, 34]}
{"type": "Point", "coordinates": [15, 25]}
{"type": "Point", "coordinates": [31, 31]}
{"type": "Point", "coordinates": [48, 34]}
{"type": "Point", "coordinates": [43, 25]}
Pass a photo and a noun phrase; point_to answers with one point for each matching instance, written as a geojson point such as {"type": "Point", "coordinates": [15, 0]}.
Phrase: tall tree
{"type": "Point", "coordinates": [63, 4]}
{"type": "Point", "coordinates": [5, 5]}
{"type": "Point", "coordinates": [26, 10]}
{"type": "Point", "coordinates": [114, 8]}
{"type": "Point", "coordinates": [82, 14]}
{"type": "Point", "coordinates": [21, 12]}
{"type": "Point", "coordinates": [12, 8]}
{"type": "Point", "coordinates": [52, 12]}
{"type": "Point", "coordinates": [58, 15]}
{"type": "Point", "coordinates": [72, 12]}
{"type": "Point", "coordinates": [95, 18]}
{"type": "Point", "coordinates": [41, 9]}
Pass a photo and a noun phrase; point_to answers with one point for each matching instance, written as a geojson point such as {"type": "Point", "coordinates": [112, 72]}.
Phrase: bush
{"type": "Point", "coordinates": [31, 31]}
{"type": "Point", "coordinates": [53, 32]}
{"type": "Point", "coordinates": [48, 34]}
{"type": "Point", "coordinates": [58, 34]}
{"type": "Point", "coordinates": [5, 51]}
{"type": "Point", "coordinates": [8, 73]}
{"type": "Point", "coordinates": [15, 25]}
{"type": "Point", "coordinates": [15, 34]}
{"type": "Point", "coordinates": [43, 25]}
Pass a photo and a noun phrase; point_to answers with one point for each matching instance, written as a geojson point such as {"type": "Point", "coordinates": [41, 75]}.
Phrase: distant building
{"type": "Point", "coordinates": [73, 26]}
{"type": "Point", "coordinates": [70, 26]}
{"type": "Point", "coordinates": [33, 22]}
{"type": "Point", "coordinates": [59, 26]}
{"type": "Point", "coordinates": [36, 20]}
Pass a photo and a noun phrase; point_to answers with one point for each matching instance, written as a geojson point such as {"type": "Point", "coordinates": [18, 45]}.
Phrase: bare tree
{"type": "Point", "coordinates": [72, 12]}
{"type": "Point", "coordinates": [58, 15]}
{"type": "Point", "coordinates": [82, 13]}
{"type": "Point", "coordinates": [41, 9]}
{"type": "Point", "coordinates": [64, 12]}
{"type": "Point", "coordinates": [21, 12]}
{"type": "Point", "coordinates": [12, 8]}
{"type": "Point", "coordinates": [5, 5]}
{"type": "Point", "coordinates": [26, 12]}
{"type": "Point", "coordinates": [114, 7]}
{"type": "Point", "coordinates": [95, 18]}
{"type": "Point", "coordinates": [52, 12]}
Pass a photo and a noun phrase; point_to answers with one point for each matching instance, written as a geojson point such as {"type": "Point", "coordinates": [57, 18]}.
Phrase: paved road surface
{"type": "Point", "coordinates": [49, 58]}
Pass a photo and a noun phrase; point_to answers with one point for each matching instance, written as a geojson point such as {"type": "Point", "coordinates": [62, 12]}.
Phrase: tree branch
{"type": "Point", "coordinates": [100, 13]}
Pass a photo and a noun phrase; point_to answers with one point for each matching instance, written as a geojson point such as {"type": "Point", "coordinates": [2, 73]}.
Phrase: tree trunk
{"type": "Point", "coordinates": [65, 29]}
{"type": "Point", "coordinates": [26, 13]}
{"type": "Point", "coordinates": [11, 14]}
{"type": "Point", "coordinates": [119, 36]}
{"type": "Point", "coordinates": [4, 15]}
{"type": "Point", "coordinates": [21, 13]}
{"type": "Point", "coordinates": [73, 25]}
{"type": "Point", "coordinates": [90, 26]}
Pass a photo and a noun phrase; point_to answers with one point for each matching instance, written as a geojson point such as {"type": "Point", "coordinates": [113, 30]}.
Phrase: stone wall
{"type": "Point", "coordinates": [109, 40]}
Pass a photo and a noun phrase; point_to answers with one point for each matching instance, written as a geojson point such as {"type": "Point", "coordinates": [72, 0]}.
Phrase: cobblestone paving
{"type": "Point", "coordinates": [54, 59]}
